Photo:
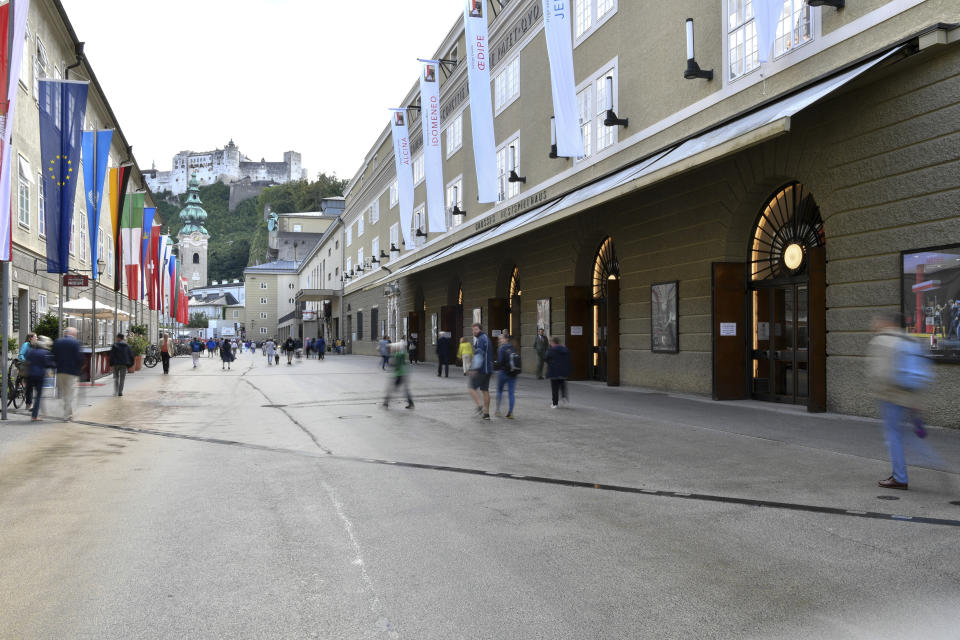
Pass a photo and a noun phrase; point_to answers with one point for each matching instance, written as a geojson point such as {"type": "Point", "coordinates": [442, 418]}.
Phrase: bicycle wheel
{"type": "Point", "coordinates": [18, 395]}
{"type": "Point", "coordinates": [150, 361]}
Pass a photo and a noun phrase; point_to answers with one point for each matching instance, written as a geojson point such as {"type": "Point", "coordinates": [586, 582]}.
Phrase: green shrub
{"type": "Point", "coordinates": [137, 343]}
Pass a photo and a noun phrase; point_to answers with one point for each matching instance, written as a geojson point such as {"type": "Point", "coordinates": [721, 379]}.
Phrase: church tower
{"type": "Point", "coordinates": [193, 237]}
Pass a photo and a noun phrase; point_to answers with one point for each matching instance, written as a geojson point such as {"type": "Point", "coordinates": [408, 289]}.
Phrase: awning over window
{"type": "Point", "coordinates": [744, 132]}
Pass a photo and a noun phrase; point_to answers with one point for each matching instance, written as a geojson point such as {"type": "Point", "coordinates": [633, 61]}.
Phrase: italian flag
{"type": "Point", "coordinates": [131, 230]}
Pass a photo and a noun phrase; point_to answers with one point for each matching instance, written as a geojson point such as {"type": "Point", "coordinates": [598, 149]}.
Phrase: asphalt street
{"type": "Point", "coordinates": [286, 502]}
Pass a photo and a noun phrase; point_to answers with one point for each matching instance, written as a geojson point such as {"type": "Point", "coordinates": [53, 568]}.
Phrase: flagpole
{"type": "Point", "coordinates": [93, 271]}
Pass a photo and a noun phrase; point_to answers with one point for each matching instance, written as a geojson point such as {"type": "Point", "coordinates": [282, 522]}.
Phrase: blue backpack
{"type": "Point", "coordinates": [913, 370]}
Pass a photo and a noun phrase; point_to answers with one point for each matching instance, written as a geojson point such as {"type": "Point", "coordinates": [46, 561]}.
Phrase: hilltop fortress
{"type": "Point", "coordinates": [225, 165]}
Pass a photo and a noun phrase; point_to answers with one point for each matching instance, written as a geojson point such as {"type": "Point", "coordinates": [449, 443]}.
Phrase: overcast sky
{"type": "Point", "coordinates": [314, 76]}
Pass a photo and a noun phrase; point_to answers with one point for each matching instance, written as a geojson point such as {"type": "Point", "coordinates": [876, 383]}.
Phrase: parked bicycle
{"type": "Point", "coordinates": [152, 356]}
{"type": "Point", "coordinates": [16, 384]}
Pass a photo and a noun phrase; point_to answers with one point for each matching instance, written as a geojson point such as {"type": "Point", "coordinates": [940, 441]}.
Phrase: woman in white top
{"type": "Point", "coordinates": [271, 349]}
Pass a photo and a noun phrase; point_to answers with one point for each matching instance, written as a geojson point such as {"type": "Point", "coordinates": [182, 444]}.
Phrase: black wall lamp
{"type": "Point", "coordinates": [420, 233]}
{"type": "Point", "coordinates": [393, 247]}
{"type": "Point", "coordinates": [513, 167]}
{"type": "Point", "coordinates": [553, 137]}
{"type": "Point", "coordinates": [456, 210]}
{"type": "Point", "coordinates": [836, 4]}
{"type": "Point", "coordinates": [383, 254]}
{"type": "Point", "coordinates": [693, 70]}
{"type": "Point", "coordinates": [612, 120]}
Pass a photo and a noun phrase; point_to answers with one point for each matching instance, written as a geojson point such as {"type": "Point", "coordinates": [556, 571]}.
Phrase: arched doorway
{"type": "Point", "coordinates": [786, 283]}
{"type": "Point", "coordinates": [606, 314]}
{"type": "Point", "coordinates": [515, 293]}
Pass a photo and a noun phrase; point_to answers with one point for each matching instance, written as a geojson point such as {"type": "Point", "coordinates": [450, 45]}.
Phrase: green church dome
{"type": "Point", "coordinates": [193, 215]}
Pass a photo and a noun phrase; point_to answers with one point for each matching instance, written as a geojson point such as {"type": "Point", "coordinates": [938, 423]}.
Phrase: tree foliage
{"type": "Point", "coordinates": [198, 320]}
{"type": "Point", "coordinates": [47, 325]}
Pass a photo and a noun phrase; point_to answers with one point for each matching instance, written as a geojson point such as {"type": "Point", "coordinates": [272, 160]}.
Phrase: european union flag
{"type": "Point", "coordinates": [63, 104]}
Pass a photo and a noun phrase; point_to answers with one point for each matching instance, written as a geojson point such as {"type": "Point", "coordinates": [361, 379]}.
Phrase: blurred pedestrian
{"type": "Point", "coordinates": [39, 361]}
{"type": "Point", "coordinates": [67, 358]}
{"type": "Point", "coordinates": [321, 347]}
{"type": "Point", "coordinates": [900, 373]}
{"type": "Point", "coordinates": [481, 367]}
{"type": "Point", "coordinates": [383, 348]}
{"type": "Point", "coordinates": [558, 370]}
{"type": "Point", "coordinates": [465, 353]}
{"type": "Point", "coordinates": [289, 346]}
{"type": "Point", "coordinates": [412, 348]}
{"type": "Point", "coordinates": [23, 366]}
{"type": "Point", "coordinates": [444, 347]}
{"type": "Point", "coordinates": [226, 355]}
{"type": "Point", "coordinates": [540, 346]}
{"type": "Point", "coordinates": [166, 346]}
{"type": "Point", "coordinates": [121, 359]}
{"type": "Point", "coordinates": [508, 368]}
{"type": "Point", "coordinates": [196, 346]}
{"type": "Point", "coordinates": [211, 347]}
{"type": "Point", "coordinates": [399, 355]}
{"type": "Point", "coordinates": [270, 349]}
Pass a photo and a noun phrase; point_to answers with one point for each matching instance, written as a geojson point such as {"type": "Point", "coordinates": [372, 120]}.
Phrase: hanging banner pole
{"type": "Point", "coordinates": [432, 149]}
{"type": "Point", "coordinates": [556, 19]}
{"type": "Point", "coordinates": [401, 160]}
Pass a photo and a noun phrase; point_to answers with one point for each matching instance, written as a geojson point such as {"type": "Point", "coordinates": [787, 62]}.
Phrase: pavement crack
{"type": "Point", "coordinates": [292, 419]}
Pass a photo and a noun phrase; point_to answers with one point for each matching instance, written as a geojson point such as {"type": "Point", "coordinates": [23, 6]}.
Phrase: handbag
{"type": "Point", "coordinates": [478, 362]}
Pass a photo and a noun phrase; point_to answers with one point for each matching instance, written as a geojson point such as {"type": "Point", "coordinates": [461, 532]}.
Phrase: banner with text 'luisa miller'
{"type": "Point", "coordinates": [556, 20]}
{"type": "Point", "coordinates": [481, 105]}
{"type": "Point", "coordinates": [432, 150]}
{"type": "Point", "coordinates": [401, 159]}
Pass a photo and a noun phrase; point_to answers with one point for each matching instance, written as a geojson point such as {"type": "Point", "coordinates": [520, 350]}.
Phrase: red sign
{"type": "Point", "coordinates": [72, 280]}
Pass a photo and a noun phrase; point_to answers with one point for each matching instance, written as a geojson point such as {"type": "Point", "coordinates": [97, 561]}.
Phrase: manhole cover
{"type": "Point", "coordinates": [887, 498]}
{"type": "Point", "coordinates": [273, 406]}
{"type": "Point", "coordinates": [354, 417]}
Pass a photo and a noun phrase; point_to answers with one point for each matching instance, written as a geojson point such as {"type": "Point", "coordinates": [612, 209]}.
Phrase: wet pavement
{"type": "Point", "coordinates": [286, 502]}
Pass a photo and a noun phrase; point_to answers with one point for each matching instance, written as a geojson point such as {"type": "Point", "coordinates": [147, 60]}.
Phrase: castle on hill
{"type": "Point", "coordinates": [225, 165]}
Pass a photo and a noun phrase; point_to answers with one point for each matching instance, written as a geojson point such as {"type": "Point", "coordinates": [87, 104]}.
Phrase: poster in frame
{"type": "Point", "coordinates": [930, 299]}
{"type": "Point", "coordinates": [543, 315]}
{"type": "Point", "coordinates": [664, 334]}
{"type": "Point", "coordinates": [478, 316]}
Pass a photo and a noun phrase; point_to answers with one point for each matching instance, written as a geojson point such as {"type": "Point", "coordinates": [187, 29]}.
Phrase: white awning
{"type": "Point", "coordinates": [84, 307]}
{"type": "Point", "coordinates": [747, 131]}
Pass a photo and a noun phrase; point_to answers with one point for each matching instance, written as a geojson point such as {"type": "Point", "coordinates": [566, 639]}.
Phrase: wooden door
{"type": "Point", "coordinates": [498, 317]}
{"type": "Point", "coordinates": [613, 333]}
{"type": "Point", "coordinates": [578, 306]}
{"type": "Point", "coordinates": [729, 292]}
{"type": "Point", "coordinates": [818, 329]}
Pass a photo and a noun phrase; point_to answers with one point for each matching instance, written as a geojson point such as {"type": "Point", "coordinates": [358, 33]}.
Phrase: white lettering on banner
{"type": "Point", "coordinates": [562, 83]}
{"type": "Point", "coordinates": [481, 103]}
{"type": "Point", "coordinates": [432, 150]}
{"type": "Point", "coordinates": [401, 159]}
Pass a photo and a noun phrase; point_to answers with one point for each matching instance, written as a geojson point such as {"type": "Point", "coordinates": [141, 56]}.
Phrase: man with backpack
{"type": "Point", "coordinates": [508, 368]}
{"type": "Point", "coordinates": [900, 372]}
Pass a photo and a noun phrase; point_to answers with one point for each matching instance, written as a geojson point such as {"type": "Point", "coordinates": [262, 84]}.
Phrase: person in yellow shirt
{"type": "Point", "coordinates": [465, 353]}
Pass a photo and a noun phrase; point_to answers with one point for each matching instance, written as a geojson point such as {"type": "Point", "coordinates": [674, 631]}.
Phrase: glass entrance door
{"type": "Point", "coordinates": [780, 347]}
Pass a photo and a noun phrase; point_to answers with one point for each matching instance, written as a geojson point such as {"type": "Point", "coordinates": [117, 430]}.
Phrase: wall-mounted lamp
{"type": "Point", "coordinates": [513, 167]}
{"type": "Point", "coordinates": [693, 70]}
{"type": "Point", "coordinates": [383, 254]}
{"type": "Point", "coordinates": [553, 137]}
{"type": "Point", "coordinates": [456, 210]}
{"type": "Point", "coordinates": [393, 247]}
{"type": "Point", "coordinates": [359, 268]}
{"type": "Point", "coordinates": [612, 120]}
{"type": "Point", "coordinates": [374, 260]}
{"type": "Point", "coordinates": [836, 4]}
{"type": "Point", "coordinates": [420, 233]}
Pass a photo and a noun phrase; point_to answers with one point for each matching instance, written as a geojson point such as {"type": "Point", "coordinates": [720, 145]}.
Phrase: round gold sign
{"type": "Point", "coordinates": [793, 256]}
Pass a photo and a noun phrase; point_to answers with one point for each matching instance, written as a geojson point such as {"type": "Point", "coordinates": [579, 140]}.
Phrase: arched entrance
{"type": "Point", "coordinates": [515, 293]}
{"type": "Point", "coordinates": [606, 314]}
{"type": "Point", "coordinates": [786, 282]}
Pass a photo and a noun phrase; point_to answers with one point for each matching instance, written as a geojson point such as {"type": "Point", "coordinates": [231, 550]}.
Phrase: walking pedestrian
{"type": "Point", "coordinates": [412, 348]}
{"type": "Point", "coordinates": [67, 359]}
{"type": "Point", "coordinates": [399, 351]}
{"type": "Point", "coordinates": [508, 368]}
{"type": "Point", "coordinates": [481, 367]}
{"type": "Point", "coordinates": [558, 370]}
{"type": "Point", "coordinates": [465, 353]}
{"type": "Point", "coordinates": [226, 355]}
{"type": "Point", "coordinates": [39, 361]}
{"type": "Point", "coordinates": [321, 347]}
{"type": "Point", "coordinates": [383, 348]}
{"type": "Point", "coordinates": [444, 347]}
{"type": "Point", "coordinates": [166, 346]}
{"type": "Point", "coordinates": [270, 349]}
{"type": "Point", "coordinates": [540, 345]}
{"type": "Point", "coordinates": [900, 373]}
{"type": "Point", "coordinates": [196, 346]}
{"type": "Point", "coordinates": [289, 346]}
{"type": "Point", "coordinates": [121, 359]}
{"type": "Point", "coordinates": [23, 365]}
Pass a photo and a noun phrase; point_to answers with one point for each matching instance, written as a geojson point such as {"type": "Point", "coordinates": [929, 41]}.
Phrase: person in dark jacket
{"type": "Point", "coordinates": [121, 359]}
{"type": "Point", "coordinates": [558, 370]}
{"type": "Point", "coordinates": [444, 347]}
{"type": "Point", "coordinates": [540, 346]}
{"type": "Point", "coordinates": [67, 358]}
{"type": "Point", "coordinates": [289, 347]}
{"type": "Point", "coordinates": [226, 355]}
{"type": "Point", "coordinates": [321, 346]}
{"type": "Point", "coordinates": [38, 361]}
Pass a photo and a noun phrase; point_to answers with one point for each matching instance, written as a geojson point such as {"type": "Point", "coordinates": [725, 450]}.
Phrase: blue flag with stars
{"type": "Point", "coordinates": [63, 104]}
{"type": "Point", "coordinates": [95, 151]}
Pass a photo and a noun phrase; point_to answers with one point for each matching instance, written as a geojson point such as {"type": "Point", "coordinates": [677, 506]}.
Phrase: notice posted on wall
{"type": "Point", "coordinates": [576, 330]}
{"type": "Point", "coordinates": [728, 328]}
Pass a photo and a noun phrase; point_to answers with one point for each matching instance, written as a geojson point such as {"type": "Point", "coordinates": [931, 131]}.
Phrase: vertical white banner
{"type": "Point", "coordinates": [481, 104]}
{"type": "Point", "coordinates": [18, 16]}
{"type": "Point", "coordinates": [556, 21]}
{"type": "Point", "coordinates": [401, 160]}
{"type": "Point", "coordinates": [432, 149]}
{"type": "Point", "coordinates": [766, 15]}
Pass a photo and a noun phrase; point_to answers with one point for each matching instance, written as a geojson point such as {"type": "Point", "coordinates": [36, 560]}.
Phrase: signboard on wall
{"type": "Point", "coordinates": [33, 313]}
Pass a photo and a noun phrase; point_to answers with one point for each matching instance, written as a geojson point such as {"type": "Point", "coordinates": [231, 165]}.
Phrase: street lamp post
{"type": "Point", "coordinates": [93, 318]}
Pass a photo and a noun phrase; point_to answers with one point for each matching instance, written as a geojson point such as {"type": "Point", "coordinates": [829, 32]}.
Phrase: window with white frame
{"type": "Point", "coordinates": [42, 303]}
{"type": "Point", "coordinates": [454, 135]}
{"type": "Point", "coordinates": [507, 189]}
{"type": "Point", "coordinates": [373, 212]}
{"type": "Point", "coordinates": [588, 15]}
{"type": "Point", "coordinates": [263, 285]}
{"type": "Point", "coordinates": [394, 237]}
{"type": "Point", "coordinates": [454, 199]}
{"type": "Point", "coordinates": [506, 85]}
{"type": "Point", "coordinates": [73, 235]}
{"type": "Point", "coordinates": [83, 239]}
{"type": "Point", "coordinates": [25, 60]}
{"type": "Point", "coordinates": [100, 244]}
{"type": "Point", "coordinates": [359, 226]}
{"type": "Point", "coordinates": [109, 255]}
{"type": "Point", "coordinates": [263, 331]}
{"type": "Point", "coordinates": [263, 315]}
{"type": "Point", "coordinates": [794, 28]}
{"type": "Point", "coordinates": [41, 208]}
{"type": "Point", "coordinates": [418, 169]}
{"type": "Point", "coordinates": [592, 106]}
{"type": "Point", "coordinates": [349, 266]}
{"type": "Point", "coordinates": [39, 67]}
{"type": "Point", "coordinates": [23, 191]}
{"type": "Point", "coordinates": [297, 228]}
{"type": "Point", "coordinates": [375, 248]}
{"type": "Point", "coordinates": [360, 257]}
{"type": "Point", "coordinates": [263, 301]}
{"type": "Point", "coordinates": [349, 235]}
{"type": "Point", "coordinates": [419, 224]}
{"type": "Point", "coordinates": [394, 194]}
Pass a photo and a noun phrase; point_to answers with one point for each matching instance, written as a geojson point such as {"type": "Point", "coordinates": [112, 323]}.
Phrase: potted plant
{"type": "Point", "coordinates": [138, 344]}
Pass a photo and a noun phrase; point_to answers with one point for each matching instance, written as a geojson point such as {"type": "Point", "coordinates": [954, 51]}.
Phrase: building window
{"type": "Point", "coordinates": [263, 331]}
{"type": "Point", "coordinates": [375, 248]}
{"type": "Point", "coordinates": [23, 192]}
{"type": "Point", "coordinates": [297, 228]}
{"type": "Point", "coordinates": [236, 314]}
{"type": "Point", "coordinates": [41, 208]}
{"type": "Point", "coordinates": [349, 235]}
{"type": "Point", "coordinates": [454, 198]}
{"type": "Point", "coordinates": [39, 67]}
{"type": "Point", "coordinates": [394, 194]}
{"type": "Point", "coordinates": [418, 169]}
{"type": "Point", "coordinates": [419, 224]}
{"type": "Point", "coordinates": [83, 238]}
{"type": "Point", "coordinates": [507, 189]}
{"type": "Point", "coordinates": [100, 244]}
{"type": "Point", "coordinates": [360, 257]}
{"type": "Point", "coordinates": [373, 212]}
{"type": "Point", "coordinates": [592, 104]}
{"type": "Point", "coordinates": [374, 322]}
{"type": "Point", "coordinates": [263, 285]}
{"type": "Point", "coordinates": [454, 140]}
{"type": "Point", "coordinates": [506, 86]}
{"type": "Point", "coordinates": [395, 237]}
{"type": "Point", "coordinates": [359, 226]}
{"type": "Point", "coordinates": [263, 315]}
{"type": "Point", "coordinates": [794, 28]}
{"type": "Point", "coordinates": [73, 235]}
{"type": "Point", "coordinates": [109, 256]}
{"type": "Point", "coordinates": [25, 60]}
{"type": "Point", "coordinates": [359, 325]}
{"type": "Point", "coordinates": [196, 258]}
{"type": "Point", "coordinates": [588, 15]}
{"type": "Point", "coordinates": [349, 266]}
{"type": "Point", "coordinates": [263, 301]}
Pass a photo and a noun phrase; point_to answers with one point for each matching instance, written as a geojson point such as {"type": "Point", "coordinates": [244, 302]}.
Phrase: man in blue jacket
{"type": "Point", "coordinates": [67, 358]}
{"type": "Point", "coordinates": [480, 369]}
{"type": "Point", "coordinates": [121, 359]}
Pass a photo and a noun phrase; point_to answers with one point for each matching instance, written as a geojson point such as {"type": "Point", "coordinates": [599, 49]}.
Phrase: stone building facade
{"type": "Point", "coordinates": [225, 165]}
